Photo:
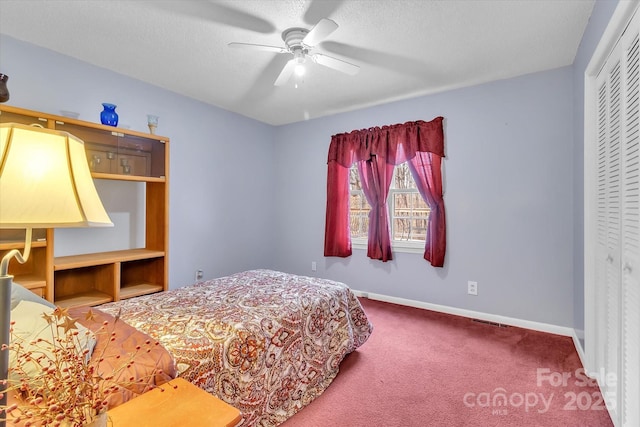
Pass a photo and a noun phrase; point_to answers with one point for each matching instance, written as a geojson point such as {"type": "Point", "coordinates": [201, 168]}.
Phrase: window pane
{"type": "Point", "coordinates": [419, 229]}
{"type": "Point", "coordinates": [409, 214]}
{"type": "Point", "coordinates": [402, 203]}
{"type": "Point", "coordinates": [354, 178]}
{"type": "Point", "coordinates": [403, 178]}
{"type": "Point", "coordinates": [359, 215]}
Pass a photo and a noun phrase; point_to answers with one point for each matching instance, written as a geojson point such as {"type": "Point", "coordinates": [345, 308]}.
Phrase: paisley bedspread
{"type": "Point", "coordinates": [265, 342]}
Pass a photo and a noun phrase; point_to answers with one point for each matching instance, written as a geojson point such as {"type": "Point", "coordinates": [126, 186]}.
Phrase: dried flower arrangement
{"type": "Point", "coordinates": [55, 380]}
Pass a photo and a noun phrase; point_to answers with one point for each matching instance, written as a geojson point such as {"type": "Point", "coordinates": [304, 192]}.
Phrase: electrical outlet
{"type": "Point", "coordinates": [472, 288]}
{"type": "Point", "coordinates": [314, 266]}
{"type": "Point", "coordinates": [199, 274]}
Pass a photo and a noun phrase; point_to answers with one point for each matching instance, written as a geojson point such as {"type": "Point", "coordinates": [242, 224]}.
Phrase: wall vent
{"type": "Point", "coordinates": [499, 325]}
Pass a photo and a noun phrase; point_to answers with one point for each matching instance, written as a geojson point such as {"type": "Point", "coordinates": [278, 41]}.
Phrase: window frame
{"type": "Point", "coordinates": [416, 246]}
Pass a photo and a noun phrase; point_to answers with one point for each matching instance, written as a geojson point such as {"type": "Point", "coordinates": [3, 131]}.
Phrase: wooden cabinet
{"type": "Point", "coordinates": [97, 278]}
{"type": "Point", "coordinates": [38, 270]}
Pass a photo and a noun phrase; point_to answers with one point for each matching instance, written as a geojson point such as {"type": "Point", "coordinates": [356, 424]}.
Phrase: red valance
{"type": "Point", "coordinates": [396, 143]}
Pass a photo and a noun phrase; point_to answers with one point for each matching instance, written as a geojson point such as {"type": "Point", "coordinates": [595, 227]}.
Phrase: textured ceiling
{"type": "Point", "coordinates": [404, 48]}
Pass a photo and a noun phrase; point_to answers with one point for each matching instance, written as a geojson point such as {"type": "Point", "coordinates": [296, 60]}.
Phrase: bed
{"type": "Point", "coordinates": [266, 342]}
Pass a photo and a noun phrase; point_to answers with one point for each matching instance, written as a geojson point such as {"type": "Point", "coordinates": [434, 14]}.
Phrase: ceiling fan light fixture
{"type": "Point", "coordinates": [300, 43]}
{"type": "Point", "coordinates": [299, 58]}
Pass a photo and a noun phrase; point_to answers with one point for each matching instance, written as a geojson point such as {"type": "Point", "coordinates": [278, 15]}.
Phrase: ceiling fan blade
{"type": "Point", "coordinates": [336, 64]}
{"type": "Point", "coordinates": [219, 13]}
{"type": "Point", "coordinates": [286, 73]}
{"type": "Point", "coordinates": [318, 9]}
{"type": "Point", "coordinates": [259, 47]}
{"type": "Point", "coordinates": [418, 68]}
{"type": "Point", "coordinates": [320, 31]}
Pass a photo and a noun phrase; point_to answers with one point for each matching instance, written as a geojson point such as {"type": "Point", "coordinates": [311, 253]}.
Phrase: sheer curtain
{"type": "Point", "coordinates": [377, 151]}
{"type": "Point", "coordinates": [375, 178]}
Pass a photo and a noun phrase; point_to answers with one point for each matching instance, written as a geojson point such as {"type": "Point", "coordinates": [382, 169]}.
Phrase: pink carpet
{"type": "Point", "coordinates": [422, 368]}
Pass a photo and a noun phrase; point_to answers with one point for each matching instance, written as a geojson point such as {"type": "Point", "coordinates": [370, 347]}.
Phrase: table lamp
{"type": "Point", "coordinates": [45, 182]}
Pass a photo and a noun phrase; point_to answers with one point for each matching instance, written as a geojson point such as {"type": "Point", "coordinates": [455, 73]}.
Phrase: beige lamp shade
{"type": "Point", "coordinates": [45, 181]}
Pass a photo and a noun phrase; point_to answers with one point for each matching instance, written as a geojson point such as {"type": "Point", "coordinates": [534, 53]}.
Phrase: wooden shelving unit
{"type": "Point", "coordinates": [97, 278]}
{"type": "Point", "coordinates": [36, 272]}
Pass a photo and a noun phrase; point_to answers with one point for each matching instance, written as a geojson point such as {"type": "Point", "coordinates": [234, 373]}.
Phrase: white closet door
{"type": "Point", "coordinates": [609, 222]}
{"type": "Point", "coordinates": [630, 218]}
{"type": "Point", "coordinates": [612, 218]}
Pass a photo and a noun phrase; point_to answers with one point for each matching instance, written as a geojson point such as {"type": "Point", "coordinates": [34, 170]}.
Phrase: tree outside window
{"type": "Point", "coordinates": [408, 212]}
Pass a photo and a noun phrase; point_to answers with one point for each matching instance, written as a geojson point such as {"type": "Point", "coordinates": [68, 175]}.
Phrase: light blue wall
{"type": "Point", "coordinates": [214, 225]}
{"type": "Point", "coordinates": [513, 183]}
{"type": "Point", "coordinates": [508, 193]}
{"type": "Point", "coordinates": [514, 194]}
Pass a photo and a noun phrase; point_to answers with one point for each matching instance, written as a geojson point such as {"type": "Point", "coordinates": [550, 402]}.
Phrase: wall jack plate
{"type": "Point", "coordinates": [472, 288]}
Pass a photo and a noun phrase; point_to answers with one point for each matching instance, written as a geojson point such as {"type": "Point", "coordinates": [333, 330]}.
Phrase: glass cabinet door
{"type": "Point", "coordinates": [23, 119]}
{"type": "Point", "coordinates": [114, 152]}
{"type": "Point", "coordinates": [108, 151]}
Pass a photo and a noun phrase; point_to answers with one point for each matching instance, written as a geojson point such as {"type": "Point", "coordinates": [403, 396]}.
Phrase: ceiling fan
{"type": "Point", "coordinates": [300, 43]}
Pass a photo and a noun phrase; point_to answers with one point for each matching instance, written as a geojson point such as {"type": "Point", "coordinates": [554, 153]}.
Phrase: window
{"type": "Point", "coordinates": [408, 212]}
{"type": "Point", "coordinates": [377, 150]}
{"type": "Point", "coordinates": [358, 208]}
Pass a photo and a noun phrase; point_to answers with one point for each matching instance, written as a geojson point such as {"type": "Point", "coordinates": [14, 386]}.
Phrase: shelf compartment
{"type": "Point", "coordinates": [141, 277]}
{"type": "Point", "coordinates": [86, 285]}
{"type": "Point", "coordinates": [34, 283]}
{"type": "Point", "coordinates": [14, 239]}
{"type": "Point", "coordinates": [139, 289]}
{"type": "Point", "coordinates": [87, 260]}
{"type": "Point", "coordinates": [90, 298]}
{"type": "Point", "coordinates": [33, 271]}
{"type": "Point", "coordinates": [8, 245]}
{"type": "Point", "coordinates": [30, 281]}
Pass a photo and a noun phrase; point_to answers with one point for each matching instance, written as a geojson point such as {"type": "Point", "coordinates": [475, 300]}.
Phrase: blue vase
{"type": "Point", "coordinates": [108, 116]}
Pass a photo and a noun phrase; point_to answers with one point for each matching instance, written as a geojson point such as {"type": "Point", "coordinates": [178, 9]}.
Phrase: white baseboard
{"type": "Point", "coordinates": [521, 323]}
{"type": "Point", "coordinates": [577, 335]}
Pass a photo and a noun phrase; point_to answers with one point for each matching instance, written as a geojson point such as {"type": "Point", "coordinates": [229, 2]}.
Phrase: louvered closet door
{"type": "Point", "coordinates": [617, 228]}
{"type": "Point", "coordinates": [608, 225]}
{"type": "Point", "coordinates": [630, 214]}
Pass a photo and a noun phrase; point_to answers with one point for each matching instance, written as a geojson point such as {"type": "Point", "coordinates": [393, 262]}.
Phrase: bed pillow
{"type": "Point", "coordinates": [30, 325]}
{"type": "Point", "coordinates": [20, 293]}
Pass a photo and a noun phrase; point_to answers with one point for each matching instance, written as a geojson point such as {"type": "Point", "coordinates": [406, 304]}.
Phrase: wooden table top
{"type": "Point", "coordinates": [176, 403]}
